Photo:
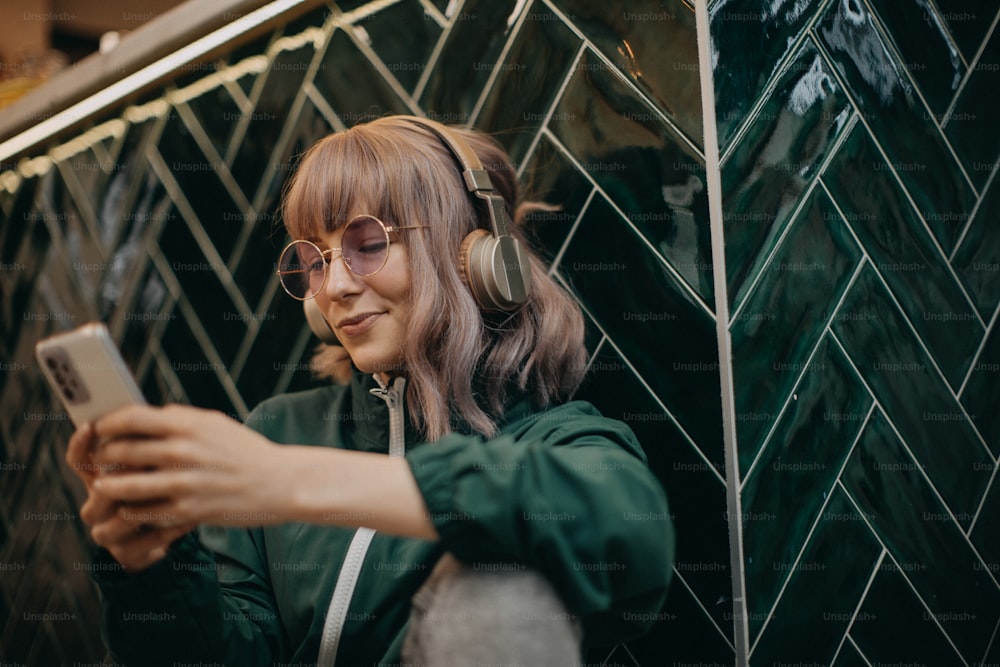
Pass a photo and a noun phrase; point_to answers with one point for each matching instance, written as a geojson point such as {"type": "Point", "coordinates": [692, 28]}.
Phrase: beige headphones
{"type": "Point", "coordinates": [492, 262]}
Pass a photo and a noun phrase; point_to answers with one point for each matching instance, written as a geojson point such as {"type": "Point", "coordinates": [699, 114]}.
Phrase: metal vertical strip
{"type": "Point", "coordinates": [734, 512]}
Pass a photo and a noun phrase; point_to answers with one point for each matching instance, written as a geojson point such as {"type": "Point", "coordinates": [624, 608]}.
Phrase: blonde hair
{"type": "Point", "coordinates": [460, 362]}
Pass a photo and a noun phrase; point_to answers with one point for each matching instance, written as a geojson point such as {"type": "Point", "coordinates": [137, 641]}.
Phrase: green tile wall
{"type": "Point", "coordinates": [859, 144]}
{"type": "Point", "coordinates": [858, 148]}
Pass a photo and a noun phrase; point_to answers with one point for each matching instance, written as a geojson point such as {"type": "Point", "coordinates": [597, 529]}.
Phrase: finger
{"type": "Point", "coordinates": [125, 454]}
{"type": "Point", "coordinates": [146, 548]}
{"type": "Point", "coordinates": [97, 508]}
{"type": "Point", "coordinates": [79, 450]}
{"type": "Point", "coordinates": [129, 521]}
{"type": "Point", "coordinates": [145, 420]}
{"type": "Point", "coordinates": [145, 486]}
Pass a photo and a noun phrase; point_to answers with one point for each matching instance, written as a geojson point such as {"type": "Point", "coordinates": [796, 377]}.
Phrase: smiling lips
{"type": "Point", "coordinates": [358, 324]}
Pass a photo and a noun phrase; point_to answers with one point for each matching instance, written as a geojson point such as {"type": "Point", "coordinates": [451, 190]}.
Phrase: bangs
{"type": "Point", "coordinates": [337, 177]}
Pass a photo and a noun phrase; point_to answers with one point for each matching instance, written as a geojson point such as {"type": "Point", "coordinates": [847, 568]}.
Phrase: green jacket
{"type": "Point", "coordinates": [565, 491]}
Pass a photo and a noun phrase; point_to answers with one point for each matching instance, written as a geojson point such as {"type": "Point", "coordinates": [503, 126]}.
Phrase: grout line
{"type": "Point", "coordinates": [205, 345]}
{"type": "Point", "coordinates": [906, 76]}
{"type": "Point", "coordinates": [556, 100]}
{"type": "Point", "coordinates": [993, 639]}
{"type": "Point", "coordinates": [610, 66]}
{"type": "Point", "coordinates": [975, 211]}
{"type": "Point", "coordinates": [763, 97]}
{"type": "Point", "coordinates": [858, 649]}
{"type": "Point", "coordinates": [610, 341]}
{"type": "Point", "coordinates": [812, 529]}
{"type": "Point", "coordinates": [376, 62]}
{"type": "Point", "coordinates": [679, 577]}
{"type": "Point", "coordinates": [906, 193]}
{"type": "Point", "coordinates": [557, 260]}
{"type": "Point", "coordinates": [919, 466]}
{"type": "Point", "coordinates": [190, 217]}
{"type": "Point", "coordinates": [713, 176]}
{"type": "Point", "coordinates": [329, 115]}
{"type": "Point", "coordinates": [913, 588]}
{"type": "Point", "coordinates": [861, 601]}
{"type": "Point", "coordinates": [682, 283]}
{"type": "Point", "coordinates": [979, 351]}
{"type": "Point", "coordinates": [515, 32]}
{"type": "Point", "coordinates": [205, 145]}
{"type": "Point", "coordinates": [798, 380]}
{"type": "Point", "coordinates": [969, 69]}
{"type": "Point", "coordinates": [979, 510]}
{"type": "Point", "coordinates": [799, 207]}
{"type": "Point", "coordinates": [88, 216]}
{"type": "Point", "coordinates": [446, 24]}
{"type": "Point", "coordinates": [906, 319]}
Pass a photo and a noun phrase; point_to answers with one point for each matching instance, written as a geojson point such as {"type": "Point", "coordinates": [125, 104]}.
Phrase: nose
{"type": "Point", "coordinates": [341, 282]}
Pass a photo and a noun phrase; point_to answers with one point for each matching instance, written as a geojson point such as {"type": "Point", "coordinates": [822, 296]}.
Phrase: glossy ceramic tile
{"type": "Point", "coordinates": [696, 495]}
{"type": "Point", "coordinates": [984, 536]}
{"type": "Point", "coordinates": [908, 134]}
{"type": "Point", "coordinates": [841, 556]}
{"type": "Point", "coordinates": [977, 259]}
{"type": "Point", "coordinates": [749, 42]}
{"type": "Point", "coordinates": [653, 176]}
{"type": "Point", "coordinates": [351, 84]}
{"type": "Point", "coordinates": [782, 497]}
{"type": "Point", "coordinates": [886, 482]}
{"type": "Point", "coordinates": [912, 395]}
{"type": "Point", "coordinates": [667, 337]}
{"type": "Point", "coordinates": [533, 69]}
{"type": "Point", "coordinates": [928, 53]}
{"type": "Point", "coordinates": [769, 170]}
{"type": "Point", "coordinates": [895, 239]}
{"type": "Point", "coordinates": [681, 631]}
{"type": "Point", "coordinates": [470, 52]}
{"type": "Point", "coordinates": [968, 21]}
{"type": "Point", "coordinates": [783, 319]}
{"type": "Point", "coordinates": [550, 177]}
{"type": "Point", "coordinates": [849, 656]}
{"type": "Point", "coordinates": [980, 392]}
{"type": "Point", "coordinates": [215, 112]}
{"type": "Point", "coordinates": [641, 38]}
{"type": "Point", "coordinates": [893, 626]}
{"type": "Point", "coordinates": [972, 127]}
{"type": "Point", "coordinates": [403, 35]}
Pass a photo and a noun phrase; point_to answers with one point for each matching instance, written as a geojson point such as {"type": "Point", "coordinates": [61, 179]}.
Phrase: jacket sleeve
{"type": "Point", "coordinates": [570, 496]}
{"type": "Point", "coordinates": [194, 606]}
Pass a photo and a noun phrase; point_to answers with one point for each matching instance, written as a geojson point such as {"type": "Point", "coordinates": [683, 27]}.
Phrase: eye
{"type": "Point", "coordinates": [372, 246]}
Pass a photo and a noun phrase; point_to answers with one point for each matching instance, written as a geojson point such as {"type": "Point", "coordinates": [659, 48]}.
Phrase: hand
{"type": "Point", "coordinates": [187, 466]}
{"type": "Point", "coordinates": [135, 547]}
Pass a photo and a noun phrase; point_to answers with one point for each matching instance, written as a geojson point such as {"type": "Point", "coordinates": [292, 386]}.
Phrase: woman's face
{"type": "Point", "coordinates": [368, 313]}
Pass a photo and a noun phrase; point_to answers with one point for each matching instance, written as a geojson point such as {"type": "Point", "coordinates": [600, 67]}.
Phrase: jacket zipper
{"type": "Point", "coordinates": [350, 571]}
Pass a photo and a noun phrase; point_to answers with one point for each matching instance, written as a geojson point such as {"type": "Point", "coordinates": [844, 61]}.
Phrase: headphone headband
{"type": "Point", "coordinates": [476, 178]}
{"type": "Point", "coordinates": [497, 270]}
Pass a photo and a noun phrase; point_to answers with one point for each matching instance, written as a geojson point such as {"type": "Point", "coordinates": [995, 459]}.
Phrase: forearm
{"type": "Point", "coordinates": [347, 488]}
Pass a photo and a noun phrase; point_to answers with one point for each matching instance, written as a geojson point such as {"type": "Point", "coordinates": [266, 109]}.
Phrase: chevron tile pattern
{"type": "Point", "coordinates": [858, 159]}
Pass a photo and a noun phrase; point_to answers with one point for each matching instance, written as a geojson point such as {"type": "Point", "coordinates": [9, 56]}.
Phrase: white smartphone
{"type": "Point", "coordinates": [85, 369]}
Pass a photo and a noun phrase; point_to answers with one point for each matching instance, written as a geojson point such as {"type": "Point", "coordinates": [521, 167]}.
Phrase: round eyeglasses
{"type": "Point", "coordinates": [364, 247]}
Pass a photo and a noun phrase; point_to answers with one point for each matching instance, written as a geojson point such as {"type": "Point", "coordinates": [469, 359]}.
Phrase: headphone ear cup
{"type": "Point", "coordinates": [465, 262]}
{"type": "Point", "coordinates": [318, 324]}
{"type": "Point", "coordinates": [496, 270]}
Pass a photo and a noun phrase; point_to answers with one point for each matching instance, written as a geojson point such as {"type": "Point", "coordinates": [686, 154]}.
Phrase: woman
{"type": "Point", "coordinates": [501, 524]}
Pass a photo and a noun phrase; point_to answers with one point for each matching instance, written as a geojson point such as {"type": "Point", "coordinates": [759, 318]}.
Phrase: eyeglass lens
{"type": "Point", "coordinates": [364, 246]}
